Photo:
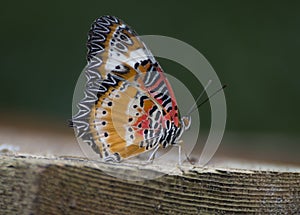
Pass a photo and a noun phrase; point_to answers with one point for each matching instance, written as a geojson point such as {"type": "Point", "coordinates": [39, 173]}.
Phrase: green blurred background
{"type": "Point", "coordinates": [252, 45]}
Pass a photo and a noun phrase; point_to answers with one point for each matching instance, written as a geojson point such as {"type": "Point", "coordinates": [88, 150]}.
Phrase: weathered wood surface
{"type": "Point", "coordinates": [39, 185]}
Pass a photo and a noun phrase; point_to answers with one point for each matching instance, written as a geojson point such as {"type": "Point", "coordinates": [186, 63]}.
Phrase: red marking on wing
{"type": "Point", "coordinates": [173, 114]}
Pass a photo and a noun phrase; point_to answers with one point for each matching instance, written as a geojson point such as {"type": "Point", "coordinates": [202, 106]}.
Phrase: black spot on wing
{"type": "Point", "coordinates": [142, 100]}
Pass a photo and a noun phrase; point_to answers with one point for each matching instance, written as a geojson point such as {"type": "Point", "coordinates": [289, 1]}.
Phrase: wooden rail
{"type": "Point", "coordinates": [41, 185]}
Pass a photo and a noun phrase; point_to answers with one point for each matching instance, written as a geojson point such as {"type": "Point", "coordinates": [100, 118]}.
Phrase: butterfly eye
{"type": "Point", "coordinates": [186, 120]}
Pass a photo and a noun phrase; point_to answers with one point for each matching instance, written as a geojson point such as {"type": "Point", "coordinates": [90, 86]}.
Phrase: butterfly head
{"type": "Point", "coordinates": [185, 125]}
{"type": "Point", "coordinates": [186, 122]}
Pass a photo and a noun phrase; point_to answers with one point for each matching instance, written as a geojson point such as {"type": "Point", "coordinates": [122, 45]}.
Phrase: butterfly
{"type": "Point", "coordinates": [129, 107]}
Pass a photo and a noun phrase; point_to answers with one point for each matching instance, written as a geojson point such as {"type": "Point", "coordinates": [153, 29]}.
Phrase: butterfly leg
{"type": "Point", "coordinates": [179, 145]}
{"type": "Point", "coordinates": [152, 156]}
{"type": "Point", "coordinates": [181, 148]}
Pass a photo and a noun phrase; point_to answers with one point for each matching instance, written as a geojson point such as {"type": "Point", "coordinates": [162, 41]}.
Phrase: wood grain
{"type": "Point", "coordinates": [41, 185]}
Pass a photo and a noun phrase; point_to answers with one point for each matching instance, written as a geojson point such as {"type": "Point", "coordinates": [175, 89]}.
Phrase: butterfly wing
{"type": "Point", "coordinates": [128, 100]}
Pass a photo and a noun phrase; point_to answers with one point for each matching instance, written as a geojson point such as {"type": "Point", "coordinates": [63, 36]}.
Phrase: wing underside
{"type": "Point", "coordinates": [127, 97]}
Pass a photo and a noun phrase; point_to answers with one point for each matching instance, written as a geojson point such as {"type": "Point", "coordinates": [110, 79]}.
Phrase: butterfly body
{"type": "Point", "coordinates": [129, 106]}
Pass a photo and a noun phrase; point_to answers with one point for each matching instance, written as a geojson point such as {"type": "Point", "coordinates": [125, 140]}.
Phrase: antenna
{"type": "Point", "coordinates": [199, 97]}
{"type": "Point", "coordinates": [207, 99]}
